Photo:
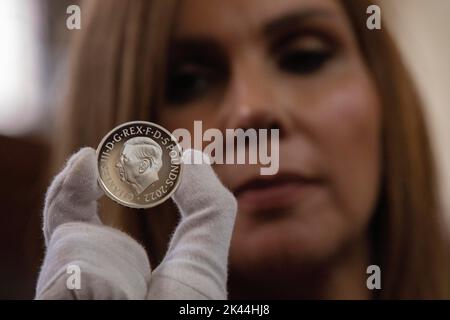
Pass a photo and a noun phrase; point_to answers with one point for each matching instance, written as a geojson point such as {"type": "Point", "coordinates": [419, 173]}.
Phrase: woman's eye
{"type": "Point", "coordinates": [304, 62]}
{"type": "Point", "coordinates": [187, 83]}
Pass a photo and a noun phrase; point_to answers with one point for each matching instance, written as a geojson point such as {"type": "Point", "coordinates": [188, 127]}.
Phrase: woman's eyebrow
{"type": "Point", "coordinates": [189, 43]}
{"type": "Point", "coordinates": [195, 47]}
{"type": "Point", "coordinates": [295, 19]}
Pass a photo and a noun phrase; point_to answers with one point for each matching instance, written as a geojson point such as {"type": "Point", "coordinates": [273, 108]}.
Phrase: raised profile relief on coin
{"type": "Point", "coordinates": [139, 164]}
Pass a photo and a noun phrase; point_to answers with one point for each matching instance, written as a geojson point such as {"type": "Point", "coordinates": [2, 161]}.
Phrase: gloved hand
{"type": "Point", "coordinates": [112, 264]}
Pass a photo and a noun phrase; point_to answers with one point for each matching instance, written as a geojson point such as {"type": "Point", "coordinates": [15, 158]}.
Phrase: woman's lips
{"type": "Point", "coordinates": [278, 192]}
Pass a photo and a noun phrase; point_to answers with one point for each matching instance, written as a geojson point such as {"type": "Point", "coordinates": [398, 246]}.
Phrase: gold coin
{"type": "Point", "coordinates": [139, 164]}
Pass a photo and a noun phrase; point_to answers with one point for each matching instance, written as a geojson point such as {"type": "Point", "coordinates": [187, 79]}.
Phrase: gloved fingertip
{"type": "Point", "coordinates": [200, 187]}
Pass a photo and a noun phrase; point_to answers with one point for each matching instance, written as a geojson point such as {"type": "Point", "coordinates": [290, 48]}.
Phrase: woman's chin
{"type": "Point", "coordinates": [286, 243]}
{"type": "Point", "coordinates": [274, 252]}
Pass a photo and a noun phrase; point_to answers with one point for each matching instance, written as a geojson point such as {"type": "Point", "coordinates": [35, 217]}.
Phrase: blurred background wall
{"type": "Point", "coordinates": [33, 46]}
{"type": "Point", "coordinates": [422, 29]}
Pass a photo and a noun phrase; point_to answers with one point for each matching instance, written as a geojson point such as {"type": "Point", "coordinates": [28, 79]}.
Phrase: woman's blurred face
{"type": "Point", "coordinates": [292, 65]}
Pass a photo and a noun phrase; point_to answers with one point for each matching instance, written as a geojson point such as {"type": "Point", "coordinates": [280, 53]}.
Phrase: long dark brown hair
{"type": "Point", "coordinates": [117, 74]}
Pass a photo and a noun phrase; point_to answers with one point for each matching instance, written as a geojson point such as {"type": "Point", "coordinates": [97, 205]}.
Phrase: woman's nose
{"type": "Point", "coordinates": [251, 102]}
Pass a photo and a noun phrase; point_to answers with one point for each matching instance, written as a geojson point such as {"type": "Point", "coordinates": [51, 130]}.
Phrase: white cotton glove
{"type": "Point", "coordinates": [113, 265]}
{"type": "Point", "coordinates": [196, 264]}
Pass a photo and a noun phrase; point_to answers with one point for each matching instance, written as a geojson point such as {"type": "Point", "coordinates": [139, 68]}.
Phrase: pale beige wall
{"type": "Point", "coordinates": [422, 28]}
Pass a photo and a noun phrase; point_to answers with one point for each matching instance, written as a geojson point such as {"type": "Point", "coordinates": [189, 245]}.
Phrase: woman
{"type": "Point", "coordinates": [355, 155]}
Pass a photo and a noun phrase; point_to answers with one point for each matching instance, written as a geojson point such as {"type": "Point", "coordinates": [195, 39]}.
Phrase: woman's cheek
{"type": "Point", "coordinates": [348, 130]}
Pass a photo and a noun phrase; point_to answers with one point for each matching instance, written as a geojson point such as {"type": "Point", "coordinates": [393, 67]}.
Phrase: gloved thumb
{"type": "Point", "coordinates": [73, 194]}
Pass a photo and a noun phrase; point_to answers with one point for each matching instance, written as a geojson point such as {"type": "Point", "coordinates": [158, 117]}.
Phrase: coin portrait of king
{"type": "Point", "coordinates": [140, 162]}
